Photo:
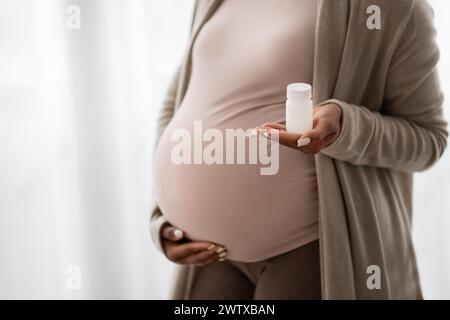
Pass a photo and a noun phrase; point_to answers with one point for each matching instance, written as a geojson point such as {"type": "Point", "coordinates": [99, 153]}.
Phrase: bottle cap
{"type": "Point", "coordinates": [299, 91]}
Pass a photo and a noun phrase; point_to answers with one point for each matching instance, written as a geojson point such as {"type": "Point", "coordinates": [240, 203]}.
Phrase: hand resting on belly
{"type": "Point", "coordinates": [179, 249]}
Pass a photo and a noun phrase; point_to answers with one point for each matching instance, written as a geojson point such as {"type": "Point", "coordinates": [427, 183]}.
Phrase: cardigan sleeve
{"type": "Point", "coordinates": [166, 113]}
{"type": "Point", "coordinates": [409, 133]}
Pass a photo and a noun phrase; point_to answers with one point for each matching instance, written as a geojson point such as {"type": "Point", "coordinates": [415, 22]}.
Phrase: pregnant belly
{"type": "Point", "coordinates": [254, 216]}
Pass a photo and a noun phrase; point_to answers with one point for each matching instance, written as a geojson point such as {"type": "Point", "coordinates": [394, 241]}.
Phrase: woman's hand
{"type": "Point", "coordinates": [179, 250]}
{"type": "Point", "coordinates": [326, 128]}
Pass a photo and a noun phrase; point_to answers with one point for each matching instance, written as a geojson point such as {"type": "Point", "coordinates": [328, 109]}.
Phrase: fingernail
{"type": "Point", "coordinates": [178, 233]}
{"type": "Point", "coordinates": [303, 142]}
{"type": "Point", "coordinates": [220, 250]}
{"type": "Point", "coordinates": [222, 259]}
{"type": "Point", "coordinates": [222, 255]}
{"type": "Point", "coordinates": [211, 247]}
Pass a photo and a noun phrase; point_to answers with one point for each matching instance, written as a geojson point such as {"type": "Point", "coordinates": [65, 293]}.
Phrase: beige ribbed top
{"type": "Point", "coordinates": [243, 59]}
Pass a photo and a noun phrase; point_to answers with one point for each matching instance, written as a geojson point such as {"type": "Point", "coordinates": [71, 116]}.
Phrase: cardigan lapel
{"type": "Point", "coordinates": [329, 46]}
{"type": "Point", "coordinates": [337, 278]}
{"type": "Point", "coordinates": [205, 11]}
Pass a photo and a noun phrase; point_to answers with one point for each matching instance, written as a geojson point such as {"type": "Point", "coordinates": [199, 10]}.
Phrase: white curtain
{"type": "Point", "coordinates": [76, 137]}
{"type": "Point", "coordinates": [77, 114]}
{"type": "Point", "coordinates": [432, 189]}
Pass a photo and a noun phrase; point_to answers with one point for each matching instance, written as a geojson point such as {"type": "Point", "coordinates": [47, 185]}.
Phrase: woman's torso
{"type": "Point", "coordinates": [242, 61]}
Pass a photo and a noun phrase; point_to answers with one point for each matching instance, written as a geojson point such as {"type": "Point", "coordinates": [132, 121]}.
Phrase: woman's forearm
{"type": "Point", "coordinates": [373, 139]}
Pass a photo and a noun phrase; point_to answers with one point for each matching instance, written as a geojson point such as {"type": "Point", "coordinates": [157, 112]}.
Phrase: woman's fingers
{"type": "Point", "coordinates": [193, 252]}
{"type": "Point", "coordinates": [326, 128]}
{"type": "Point", "coordinates": [324, 133]}
{"type": "Point", "coordinates": [289, 139]}
{"type": "Point", "coordinates": [205, 257]}
{"type": "Point", "coordinates": [177, 251]}
{"type": "Point", "coordinates": [274, 125]}
{"type": "Point", "coordinates": [284, 137]}
{"type": "Point", "coordinates": [171, 233]}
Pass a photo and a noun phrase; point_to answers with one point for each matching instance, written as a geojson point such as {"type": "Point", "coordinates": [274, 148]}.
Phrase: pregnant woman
{"type": "Point", "coordinates": [334, 222]}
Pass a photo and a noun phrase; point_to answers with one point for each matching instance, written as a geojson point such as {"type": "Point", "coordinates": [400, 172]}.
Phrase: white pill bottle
{"type": "Point", "coordinates": [299, 108]}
